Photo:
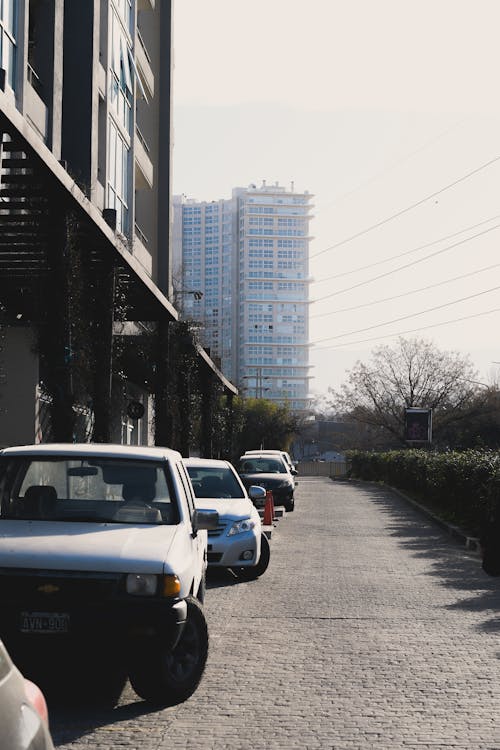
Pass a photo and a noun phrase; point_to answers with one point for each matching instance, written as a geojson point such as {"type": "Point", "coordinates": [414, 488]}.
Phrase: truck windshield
{"type": "Point", "coordinates": [86, 488]}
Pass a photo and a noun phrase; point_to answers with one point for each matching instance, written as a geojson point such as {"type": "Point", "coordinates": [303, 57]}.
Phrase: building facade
{"type": "Point", "coordinates": [93, 80]}
{"type": "Point", "coordinates": [85, 223]}
{"type": "Point", "coordinates": [249, 257]}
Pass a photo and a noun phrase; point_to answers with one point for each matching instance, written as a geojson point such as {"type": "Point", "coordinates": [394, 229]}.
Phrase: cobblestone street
{"type": "Point", "coordinates": [370, 629]}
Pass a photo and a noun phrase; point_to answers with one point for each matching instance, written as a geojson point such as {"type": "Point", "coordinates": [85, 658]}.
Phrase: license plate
{"type": "Point", "coordinates": [44, 622]}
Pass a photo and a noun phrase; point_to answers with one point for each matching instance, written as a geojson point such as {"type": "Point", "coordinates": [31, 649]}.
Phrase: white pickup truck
{"type": "Point", "coordinates": [102, 563]}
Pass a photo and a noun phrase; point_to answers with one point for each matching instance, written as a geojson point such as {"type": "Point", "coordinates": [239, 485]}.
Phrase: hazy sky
{"type": "Point", "coordinates": [376, 107]}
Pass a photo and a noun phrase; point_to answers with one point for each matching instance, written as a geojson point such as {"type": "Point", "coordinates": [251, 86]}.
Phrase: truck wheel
{"type": "Point", "coordinates": [290, 505]}
{"type": "Point", "coordinates": [169, 676]}
{"type": "Point", "coordinates": [250, 573]}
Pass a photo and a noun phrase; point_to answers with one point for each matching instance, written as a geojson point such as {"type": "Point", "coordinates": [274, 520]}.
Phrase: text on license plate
{"type": "Point", "coordinates": [44, 622]}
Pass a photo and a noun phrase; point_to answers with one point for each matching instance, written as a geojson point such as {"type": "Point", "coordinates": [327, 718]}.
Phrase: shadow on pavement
{"type": "Point", "coordinates": [453, 565]}
{"type": "Point", "coordinates": [69, 722]}
{"type": "Point", "coordinates": [220, 577]}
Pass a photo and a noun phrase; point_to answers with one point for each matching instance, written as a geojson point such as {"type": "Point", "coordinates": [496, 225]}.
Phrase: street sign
{"type": "Point", "coordinates": [418, 426]}
{"type": "Point", "coordinates": [135, 410]}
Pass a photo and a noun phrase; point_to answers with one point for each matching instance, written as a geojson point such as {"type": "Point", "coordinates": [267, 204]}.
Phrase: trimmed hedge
{"type": "Point", "coordinates": [460, 487]}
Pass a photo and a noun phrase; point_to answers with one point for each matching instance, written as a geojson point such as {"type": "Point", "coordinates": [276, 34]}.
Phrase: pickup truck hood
{"type": "Point", "coordinates": [231, 508]}
{"type": "Point", "coordinates": [110, 547]}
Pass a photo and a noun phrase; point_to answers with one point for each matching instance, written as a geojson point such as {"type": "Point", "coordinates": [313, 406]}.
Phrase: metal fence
{"type": "Point", "coordinates": [322, 468]}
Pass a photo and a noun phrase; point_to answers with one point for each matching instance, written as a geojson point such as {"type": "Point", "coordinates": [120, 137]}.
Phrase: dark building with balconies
{"type": "Point", "coordinates": [90, 344]}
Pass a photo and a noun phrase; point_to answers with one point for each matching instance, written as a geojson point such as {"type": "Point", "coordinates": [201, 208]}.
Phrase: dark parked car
{"type": "Point", "coordinates": [270, 472]}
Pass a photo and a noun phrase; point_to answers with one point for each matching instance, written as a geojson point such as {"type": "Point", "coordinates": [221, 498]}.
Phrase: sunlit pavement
{"type": "Point", "coordinates": [370, 629]}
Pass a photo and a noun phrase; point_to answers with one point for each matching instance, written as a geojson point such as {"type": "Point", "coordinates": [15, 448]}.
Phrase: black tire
{"type": "Point", "coordinates": [166, 677]}
{"type": "Point", "coordinates": [252, 572]}
{"type": "Point", "coordinates": [290, 505]}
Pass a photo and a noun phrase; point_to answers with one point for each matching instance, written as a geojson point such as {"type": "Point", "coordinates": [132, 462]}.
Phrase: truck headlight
{"type": "Point", "coordinates": [239, 527]}
{"type": "Point", "coordinates": [141, 584]}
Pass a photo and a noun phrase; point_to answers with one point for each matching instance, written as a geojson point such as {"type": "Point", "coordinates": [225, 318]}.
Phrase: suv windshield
{"type": "Point", "coordinates": [86, 488]}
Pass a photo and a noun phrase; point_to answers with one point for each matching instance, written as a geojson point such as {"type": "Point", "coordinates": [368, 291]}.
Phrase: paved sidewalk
{"type": "Point", "coordinates": [370, 629]}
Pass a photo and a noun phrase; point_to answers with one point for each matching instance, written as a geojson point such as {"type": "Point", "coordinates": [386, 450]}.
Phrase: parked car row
{"type": "Point", "coordinates": [103, 557]}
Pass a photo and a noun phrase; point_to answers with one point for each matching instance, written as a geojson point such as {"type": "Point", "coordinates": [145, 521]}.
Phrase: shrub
{"type": "Point", "coordinates": [459, 486]}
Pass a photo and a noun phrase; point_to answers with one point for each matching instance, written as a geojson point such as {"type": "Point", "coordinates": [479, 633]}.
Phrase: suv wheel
{"type": "Point", "coordinates": [290, 505]}
{"type": "Point", "coordinates": [167, 677]}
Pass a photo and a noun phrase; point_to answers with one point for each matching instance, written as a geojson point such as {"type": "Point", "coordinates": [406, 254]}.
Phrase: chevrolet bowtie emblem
{"type": "Point", "coordinates": [48, 588]}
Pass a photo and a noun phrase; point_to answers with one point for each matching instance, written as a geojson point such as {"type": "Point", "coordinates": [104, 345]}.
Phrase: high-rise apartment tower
{"type": "Point", "coordinates": [248, 257]}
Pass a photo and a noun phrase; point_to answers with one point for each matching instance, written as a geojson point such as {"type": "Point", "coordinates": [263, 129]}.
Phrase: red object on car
{"type": "Point", "coordinates": [37, 699]}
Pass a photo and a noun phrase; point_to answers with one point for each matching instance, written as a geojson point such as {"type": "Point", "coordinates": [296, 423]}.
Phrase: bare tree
{"type": "Point", "coordinates": [411, 373]}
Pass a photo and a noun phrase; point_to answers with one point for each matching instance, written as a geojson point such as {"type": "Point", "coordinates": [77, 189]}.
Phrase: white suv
{"type": "Point", "coordinates": [102, 561]}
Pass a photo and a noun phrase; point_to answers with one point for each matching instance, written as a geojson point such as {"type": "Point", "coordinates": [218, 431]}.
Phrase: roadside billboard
{"type": "Point", "coordinates": [418, 426]}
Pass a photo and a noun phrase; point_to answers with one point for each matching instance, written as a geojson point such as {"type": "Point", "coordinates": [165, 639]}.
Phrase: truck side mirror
{"type": "Point", "coordinates": [205, 520]}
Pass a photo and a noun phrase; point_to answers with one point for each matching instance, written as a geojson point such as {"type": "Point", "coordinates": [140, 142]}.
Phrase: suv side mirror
{"type": "Point", "coordinates": [205, 520]}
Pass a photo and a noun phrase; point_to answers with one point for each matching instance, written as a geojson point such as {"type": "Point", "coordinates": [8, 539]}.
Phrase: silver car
{"type": "Point", "coordinates": [238, 542]}
{"type": "Point", "coordinates": [23, 711]}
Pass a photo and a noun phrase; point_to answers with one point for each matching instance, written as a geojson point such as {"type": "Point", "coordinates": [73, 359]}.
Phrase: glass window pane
{"type": "Point", "coordinates": [9, 16]}
{"type": "Point", "coordinates": [11, 60]}
{"type": "Point", "coordinates": [125, 175]}
{"type": "Point", "coordinates": [112, 155]}
{"type": "Point", "coordinates": [119, 165]}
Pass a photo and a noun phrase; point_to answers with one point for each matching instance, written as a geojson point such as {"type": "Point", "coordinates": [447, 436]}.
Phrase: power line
{"type": "Point", "coordinates": [413, 330]}
{"type": "Point", "coordinates": [392, 166]}
{"type": "Point", "coordinates": [407, 265]}
{"type": "Point", "coordinates": [408, 208]}
{"type": "Point", "coordinates": [411, 315]}
{"type": "Point", "coordinates": [406, 294]}
{"type": "Point", "coordinates": [407, 252]}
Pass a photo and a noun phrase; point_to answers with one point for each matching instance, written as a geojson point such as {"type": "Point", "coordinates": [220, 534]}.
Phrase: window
{"type": "Point", "coordinates": [121, 76]}
{"type": "Point", "coordinates": [118, 177]}
{"type": "Point", "coordinates": [8, 47]}
{"type": "Point", "coordinates": [124, 8]}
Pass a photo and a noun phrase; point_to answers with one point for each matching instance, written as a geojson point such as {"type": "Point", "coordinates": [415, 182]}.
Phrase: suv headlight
{"type": "Point", "coordinates": [239, 527]}
{"type": "Point", "coordinates": [141, 584]}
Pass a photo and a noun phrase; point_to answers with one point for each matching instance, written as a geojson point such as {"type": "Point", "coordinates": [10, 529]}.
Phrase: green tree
{"type": "Point", "coordinates": [263, 424]}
